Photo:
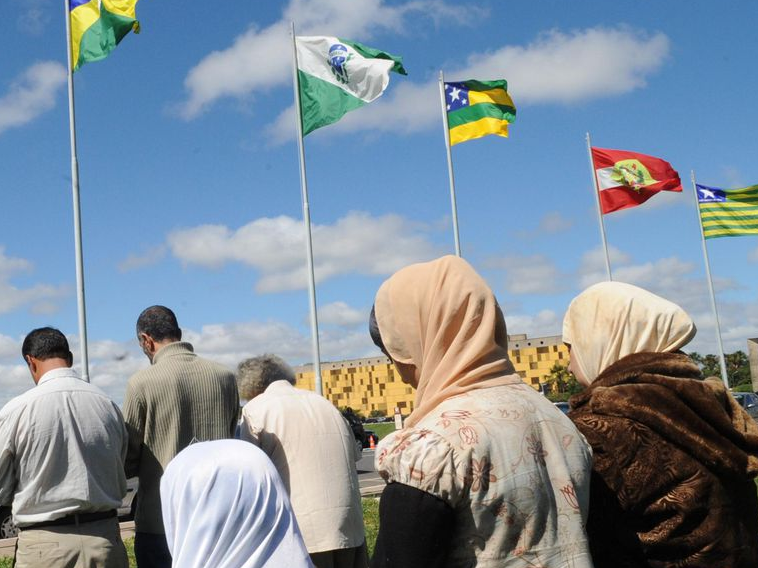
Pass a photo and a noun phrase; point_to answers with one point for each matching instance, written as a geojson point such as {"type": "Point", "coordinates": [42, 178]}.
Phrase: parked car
{"type": "Point", "coordinates": [563, 406]}
{"type": "Point", "coordinates": [125, 512]}
{"type": "Point", "coordinates": [748, 401]}
{"type": "Point", "coordinates": [363, 437]}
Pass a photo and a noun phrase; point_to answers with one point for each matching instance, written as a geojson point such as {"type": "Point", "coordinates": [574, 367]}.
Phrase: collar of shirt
{"type": "Point", "coordinates": [57, 373]}
{"type": "Point", "coordinates": [175, 348]}
{"type": "Point", "coordinates": [279, 386]}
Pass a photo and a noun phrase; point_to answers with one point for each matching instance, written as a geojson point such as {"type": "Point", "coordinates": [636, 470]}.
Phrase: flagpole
{"type": "Point", "coordinates": [307, 221]}
{"type": "Point", "coordinates": [599, 210]}
{"type": "Point", "coordinates": [722, 360]}
{"type": "Point", "coordinates": [450, 165]}
{"type": "Point", "coordinates": [82, 313]}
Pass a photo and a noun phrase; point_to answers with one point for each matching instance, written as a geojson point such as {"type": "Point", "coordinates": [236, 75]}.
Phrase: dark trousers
{"type": "Point", "coordinates": [151, 550]}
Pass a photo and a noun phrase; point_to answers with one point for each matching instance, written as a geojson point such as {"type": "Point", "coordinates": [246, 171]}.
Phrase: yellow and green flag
{"type": "Point", "coordinates": [728, 212]}
{"type": "Point", "coordinates": [478, 108]}
{"type": "Point", "coordinates": [97, 26]}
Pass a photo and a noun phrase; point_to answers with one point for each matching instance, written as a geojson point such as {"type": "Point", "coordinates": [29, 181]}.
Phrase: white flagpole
{"type": "Point", "coordinates": [722, 359]}
{"type": "Point", "coordinates": [307, 221]}
{"type": "Point", "coordinates": [450, 165]}
{"type": "Point", "coordinates": [77, 209]}
{"type": "Point", "coordinates": [599, 211]}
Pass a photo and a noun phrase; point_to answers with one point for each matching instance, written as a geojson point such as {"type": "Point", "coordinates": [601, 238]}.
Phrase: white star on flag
{"type": "Point", "coordinates": [454, 94]}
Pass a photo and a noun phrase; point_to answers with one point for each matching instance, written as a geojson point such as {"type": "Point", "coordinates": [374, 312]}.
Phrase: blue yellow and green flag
{"type": "Point", "coordinates": [728, 212]}
{"type": "Point", "coordinates": [478, 108]}
{"type": "Point", "coordinates": [97, 27]}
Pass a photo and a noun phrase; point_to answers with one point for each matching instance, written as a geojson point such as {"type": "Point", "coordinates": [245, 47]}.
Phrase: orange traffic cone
{"type": "Point", "coordinates": [371, 443]}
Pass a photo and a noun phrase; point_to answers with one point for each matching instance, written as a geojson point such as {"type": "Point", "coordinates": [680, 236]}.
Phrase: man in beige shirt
{"type": "Point", "coordinates": [62, 448]}
{"type": "Point", "coordinates": [313, 449]}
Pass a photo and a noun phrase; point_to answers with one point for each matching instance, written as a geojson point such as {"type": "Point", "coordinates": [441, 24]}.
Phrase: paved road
{"type": "Point", "coordinates": [370, 482]}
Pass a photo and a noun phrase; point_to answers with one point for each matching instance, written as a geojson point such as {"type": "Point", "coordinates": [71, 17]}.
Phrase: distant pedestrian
{"type": "Point", "coordinates": [313, 449]}
{"type": "Point", "coordinates": [486, 472]}
{"type": "Point", "coordinates": [675, 456]}
{"type": "Point", "coordinates": [62, 449]}
{"type": "Point", "coordinates": [224, 506]}
{"type": "Point", "coordinates": [179, 399]}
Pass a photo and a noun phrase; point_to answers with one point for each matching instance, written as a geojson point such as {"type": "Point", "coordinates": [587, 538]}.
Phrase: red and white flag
{"type": "Point", "coordinates": [627, 179]}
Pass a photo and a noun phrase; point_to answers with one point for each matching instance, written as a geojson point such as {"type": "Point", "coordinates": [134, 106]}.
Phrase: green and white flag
{"type": "Point", "coordinates": [336, 76]}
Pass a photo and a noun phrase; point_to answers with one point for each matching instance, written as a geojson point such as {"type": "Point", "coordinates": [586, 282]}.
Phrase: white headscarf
{"type": "Point", "coordinates": [611, 320]}
{"type": "Point", "coordinates": [224, 506]}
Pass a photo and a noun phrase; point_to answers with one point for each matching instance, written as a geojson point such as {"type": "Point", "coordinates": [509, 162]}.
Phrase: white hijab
{"type": "Point", "coordinates": [224, 506]}
{"type": "Point", "coordinates": [611, 320]}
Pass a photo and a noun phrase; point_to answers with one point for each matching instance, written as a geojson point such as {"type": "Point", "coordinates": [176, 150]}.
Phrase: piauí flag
{"type": "Point", "coordinates": [728, 212]}
{"type": "Point", "coordinates": [478, 108]}
{"type": "Point", "coordinates": [97, 26]}
{"type": "Point", "coordinates": [336, 76]}
{"type": "Point", "coordinates": [627, 179]}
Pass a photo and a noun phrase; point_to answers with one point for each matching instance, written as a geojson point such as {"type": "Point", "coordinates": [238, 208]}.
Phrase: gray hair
{"type": "Point", "coordinates": [257, 373]}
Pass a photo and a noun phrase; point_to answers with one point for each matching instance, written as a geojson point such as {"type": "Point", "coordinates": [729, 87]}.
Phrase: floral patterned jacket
{"type": "Point", "coordinates": [512, 466]}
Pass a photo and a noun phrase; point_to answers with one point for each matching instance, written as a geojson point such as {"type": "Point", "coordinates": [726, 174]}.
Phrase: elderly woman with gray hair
{"type": "Point", "coordinates": [312, 447]}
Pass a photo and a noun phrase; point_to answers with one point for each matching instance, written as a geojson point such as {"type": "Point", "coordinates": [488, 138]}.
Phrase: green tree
{"type": "Point", "coordinates": [737, 367]}
{"type": "Point", "coordinates": [560, 383]}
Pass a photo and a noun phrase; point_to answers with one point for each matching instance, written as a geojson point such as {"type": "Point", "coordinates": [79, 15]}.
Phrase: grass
{"type": "Point", "coordinates": [370, 519]}
{"type": "Point", "coordinates": [381, 429]}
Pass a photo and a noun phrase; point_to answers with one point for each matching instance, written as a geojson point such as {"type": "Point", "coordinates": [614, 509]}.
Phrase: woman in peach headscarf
{"type": "Point", "coordinates": [487, 472]}
{"type": "Point", "coordinates": [674, 455]}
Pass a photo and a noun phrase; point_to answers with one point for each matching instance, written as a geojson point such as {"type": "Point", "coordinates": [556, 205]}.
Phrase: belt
{"type": "Point", "coordinates": [73, 519]}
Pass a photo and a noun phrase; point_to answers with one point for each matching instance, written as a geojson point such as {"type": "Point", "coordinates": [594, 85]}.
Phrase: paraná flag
{"type": "Point", "coordinates": [336, 76]}
{"type": "Point", "coordinates": [627, 179]}
{"type": "Point", "coordinates": [97, 27]}
{"type": "Point", "coordinates": [478, 108]}
{"type": "Point", "coordinates": [728, 212]}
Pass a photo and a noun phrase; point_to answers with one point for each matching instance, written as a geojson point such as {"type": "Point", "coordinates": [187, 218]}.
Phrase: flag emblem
{"type": "Point", "coordinates": [633, 174]}
{"type": "Point", "coordinates": [338, 58]}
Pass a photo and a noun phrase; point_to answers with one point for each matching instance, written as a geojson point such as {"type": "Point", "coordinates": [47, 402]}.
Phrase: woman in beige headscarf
{"type": "Point", "coordinates": [674, 455]}
{"type": "Point", "coordinates": [487, 472]}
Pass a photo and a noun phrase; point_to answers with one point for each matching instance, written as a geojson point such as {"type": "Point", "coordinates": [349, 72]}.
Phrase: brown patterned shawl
{"type": "Point", "coordinates": [674, 462]}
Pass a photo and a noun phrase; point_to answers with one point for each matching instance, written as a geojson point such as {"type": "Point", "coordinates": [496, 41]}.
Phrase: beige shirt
{"type": "Point", "coordinates": [62, 449]}
{"type": "Point", "coordinates": [512, 466]}
{"type": "Point", "coordinates": [313, 449]}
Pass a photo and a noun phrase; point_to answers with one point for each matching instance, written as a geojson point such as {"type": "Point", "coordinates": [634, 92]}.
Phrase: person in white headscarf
{"type": "Point", "coordinates": [224, 506]}
{"type": "Point", "coordinates": [486, 473]}
{"type": "Point", "coordinates": [674, 454]}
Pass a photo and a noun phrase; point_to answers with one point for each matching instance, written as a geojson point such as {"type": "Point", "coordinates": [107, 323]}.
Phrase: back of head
{"type": "Point", "coordinates": [159, 323]}
{"type": "Point", "coordinates": [442, 318]}
{"type": "Point", "coordinates": [611, 320]}
{"type": "Point", "coordinates": [225, 506]}
{"type": "Point", "coordinates": [46, 343]}
{"type": "Point", "coordinates": [254, 375]}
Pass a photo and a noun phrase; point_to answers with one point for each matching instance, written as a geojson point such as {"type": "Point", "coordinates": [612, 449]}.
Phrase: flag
{"type": "Point", "coordinates": [728, 212]}
{"type": "Point", "coordinates": [97, 26]}
{"type": "Point", "coordinates": [336, 76]}
{"type": "Point", "coordinates": [478, 108]}
{"type": "Point", "coordinates": [627, 179]}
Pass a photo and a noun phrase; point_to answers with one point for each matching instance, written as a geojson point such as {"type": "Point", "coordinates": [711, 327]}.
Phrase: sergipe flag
{"type": "Point", "coordinates": [728, 212]}
{"type": "Point", "coordinates": [478, 108]}
{"type": "Point", "coordinates": [97, 27]}
{"type": "Point", "coordinates": [627, 179]}
{"type": "Point", "coordinates": [336, 76]}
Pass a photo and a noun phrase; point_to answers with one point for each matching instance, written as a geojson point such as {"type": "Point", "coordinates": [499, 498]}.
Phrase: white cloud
{"type": "Point", "coordinates": [535, 274]}
{"type": "Point", "coordinates": [340, 314]}
{"type": "Point", "coordinates": [356, 243]}
{"type": "Point", "coordinates": [39, 298]}
{"type": "Point", "coordinates": [260, 59]}
{"type": "Point", "coordinates": [35, 17]}
{"type": "Point", "coordinates": [544, 323]}
{"type": "Point", "coordinates": [150, 256]}
{"type": "Point", "coordinates": [31, 94]}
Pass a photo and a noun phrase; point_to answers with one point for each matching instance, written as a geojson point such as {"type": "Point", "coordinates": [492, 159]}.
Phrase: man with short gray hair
{"type": "Point", "coordinates": [313, 449]}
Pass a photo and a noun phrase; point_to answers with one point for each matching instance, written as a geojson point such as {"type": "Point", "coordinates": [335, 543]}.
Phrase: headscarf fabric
{"type": "Point", "coordinates": [225, 506]}
{"type": "Point", "coordinates": [442, 318]}
{"type": "Point", "coordinates": [611, 320]}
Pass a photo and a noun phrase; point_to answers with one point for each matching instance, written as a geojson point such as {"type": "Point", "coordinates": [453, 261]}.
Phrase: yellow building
{"type": "Point", "coordinates": [373, 384]}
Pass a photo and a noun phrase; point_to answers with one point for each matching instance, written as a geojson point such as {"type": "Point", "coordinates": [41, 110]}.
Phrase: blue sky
{"type": "Point", "coordinates": [190, 182]}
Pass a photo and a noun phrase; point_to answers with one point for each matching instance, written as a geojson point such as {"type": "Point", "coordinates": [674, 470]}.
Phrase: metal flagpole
{"type": "Point", "coordinates": [722, 360]}
{"type": "Point", "coordinates": [450, 165]}
{"type": "Point", "coordinates": [307, 221]}
{"type": "Point", "coordinates": [599, 211]}
{"type": "Point", "coordinates": [77, 208]}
